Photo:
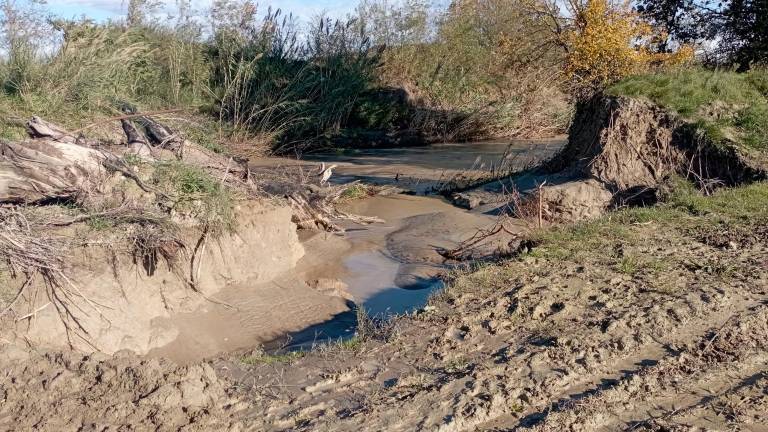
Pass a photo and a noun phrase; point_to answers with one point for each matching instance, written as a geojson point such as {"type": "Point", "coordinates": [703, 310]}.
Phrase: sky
{"type": "Point", "coordinates": [101, 10]}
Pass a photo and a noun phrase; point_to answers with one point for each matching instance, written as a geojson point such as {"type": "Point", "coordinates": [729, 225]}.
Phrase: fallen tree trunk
{"type": "Point", "coordinates": [56, 164]}
{"type": "Point", "coordinates": [161, 136]}
{"type": "Point", "coordinates": [38, 128]}
{"type": "Point", "coordinates": [137, 145]}
{"type": "Point", "coordinates": [40, 170]}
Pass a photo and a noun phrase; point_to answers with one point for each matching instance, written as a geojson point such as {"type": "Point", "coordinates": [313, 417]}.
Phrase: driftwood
{"type": "Point", "coordinates": [43, 169]}
{"type": "Point", "coordinates": [57, 164]}
{"type": "Point", "coordinates": [315, 208]}
{"type": "Point", "coordinates": [137, 145]}
{"type": "Point", "coordinates": [38, 128]}
{"type": "Point", "coordinates": [160, 136]}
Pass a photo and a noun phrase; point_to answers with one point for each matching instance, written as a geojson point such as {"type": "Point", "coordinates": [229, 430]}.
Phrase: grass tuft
{"type": "Point", "coordinates": [195, 193]}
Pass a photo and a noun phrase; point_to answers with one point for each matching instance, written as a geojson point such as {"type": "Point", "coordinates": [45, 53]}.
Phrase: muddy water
{"type": "Point", "coordinates": [392, 267]}
{"type": "Point", "coordinates": [419, 168]}
{"type": "Point", "coordinates": [386, 268]}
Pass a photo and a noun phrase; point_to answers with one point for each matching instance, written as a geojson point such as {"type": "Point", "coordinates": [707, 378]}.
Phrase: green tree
{"type": "Point", "coordinates": [745, 33]}
{"type": "Point", "coordinates": [736, 29]}
{"type": "Point", "coordinates": [610, 41]}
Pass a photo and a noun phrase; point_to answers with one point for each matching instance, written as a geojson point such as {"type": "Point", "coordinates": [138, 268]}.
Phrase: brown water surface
{"type": "Point", "coordinates": [386, 268]}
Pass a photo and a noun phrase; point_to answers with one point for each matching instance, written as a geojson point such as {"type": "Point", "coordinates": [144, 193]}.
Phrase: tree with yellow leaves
{"type": "Point", "coordinates": [609, 41]}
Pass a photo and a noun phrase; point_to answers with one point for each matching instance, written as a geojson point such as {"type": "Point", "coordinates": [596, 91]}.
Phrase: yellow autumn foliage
{"type": "Point", "coordinates": [609, 41]}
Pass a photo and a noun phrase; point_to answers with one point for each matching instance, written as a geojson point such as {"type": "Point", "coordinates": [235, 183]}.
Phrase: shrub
{"type": "Point", "coordinates": [477, 69]}
{"type": "Point", "coordinates": [609, 42]}
{"type": "Point", "coordinates": [265, 79]}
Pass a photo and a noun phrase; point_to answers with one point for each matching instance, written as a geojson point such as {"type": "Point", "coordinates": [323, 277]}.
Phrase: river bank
{"type": "Point", "coordinates": [611, 323]}
{"type": "Point", "coordinates": [386, 269]}
{"type": "Point", "coordinates": [609, 313]}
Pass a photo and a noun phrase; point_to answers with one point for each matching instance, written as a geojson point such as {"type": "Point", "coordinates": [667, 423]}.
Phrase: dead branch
{"type": "Point", "coordinates": [120, 166]}
{"type": "Point", "coordinates": [129, 116]}
{"type": "Point", "coordinates": [26, 252]}
{"type": "Point", "coordinates": [17, 296]}
{"type": "Point", "coordinates": [38, 128]}
{"type": "Point", "coordinates": [481, 236]}
{"type": "Point", "coordinates": [122, 214]}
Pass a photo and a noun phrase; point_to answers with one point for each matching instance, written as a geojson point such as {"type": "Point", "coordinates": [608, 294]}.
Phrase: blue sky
{"type": "Point", "coordinates": [103, 9]}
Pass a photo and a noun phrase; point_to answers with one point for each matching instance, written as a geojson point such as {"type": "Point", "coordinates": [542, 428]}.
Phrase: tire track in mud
{"type": "Point", "coordinates": [523, 354]}
{"type": "Point", "coordinates": [685, 385]}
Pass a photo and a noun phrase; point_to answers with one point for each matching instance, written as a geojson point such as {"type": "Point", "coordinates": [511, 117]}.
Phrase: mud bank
{"type": "Point", "coordinates": [68, 391]}
{"type": "Point", "coordinates": [415, 228]}
{"type": "Point", "coordinates": [648, 319]}
{"type": "Point", "coordinates": [579, 339]}
{"type": "Point", "coordinates": [620, 152]}
{"type": "Point", "coordinates": [423, 170]}
{"type": "Point", "coordinates": [265, 283]}
{"type": "Point", "coordinates": [386, 269]}
{"type": "Point", "coordinates": [143, 306]}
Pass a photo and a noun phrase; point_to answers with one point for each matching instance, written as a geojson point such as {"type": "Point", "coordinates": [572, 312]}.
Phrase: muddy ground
{"type": "Point", "coordinates": [660, 327]}
{"type": "Point", "coordinates": [673, 341]}
{"type": "Point", "coordinates": [651, 319]}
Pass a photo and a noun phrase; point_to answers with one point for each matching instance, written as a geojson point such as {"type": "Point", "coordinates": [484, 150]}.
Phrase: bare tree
{"type": "Point", "coordinates": [139, 11]}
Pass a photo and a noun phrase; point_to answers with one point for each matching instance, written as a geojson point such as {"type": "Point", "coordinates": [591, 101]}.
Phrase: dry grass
{"type": "Point", "coordinates": [28, 252]}
{"type": "Point", "coordinates": [508, 164]}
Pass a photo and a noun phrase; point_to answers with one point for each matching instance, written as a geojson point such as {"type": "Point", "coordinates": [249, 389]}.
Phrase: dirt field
{"type": "Point", "coordinates": [647, 318]}
{"type": "Point", "coordinates": [662, 328]}
{"type": "Point", "coordinates": [657, 329]}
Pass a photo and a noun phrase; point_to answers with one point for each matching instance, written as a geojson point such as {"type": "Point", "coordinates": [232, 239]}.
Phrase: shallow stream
{"type": "Point", "coordinates": [392, 268]}
{"type": "Point", "coordinates": [385, 268]}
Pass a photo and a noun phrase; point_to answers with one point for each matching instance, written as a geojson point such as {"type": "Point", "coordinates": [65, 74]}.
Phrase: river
{"type": "Point", "coordinates": [392, 268]}
{"type": "Point", "coordinates": [420, 168]}
{"type": "Point", "coordinates": [386, 268]}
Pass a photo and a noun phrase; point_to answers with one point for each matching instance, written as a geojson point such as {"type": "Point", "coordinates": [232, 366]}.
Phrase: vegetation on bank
{"type": "Point", "coordinates": [259, 79]}
{"type": "Point", "coordinates": [194, 193]}
{"type": "Point", "coordinates": [727, 105]}
{"type": "Point", "coordinates": [651, 243]}
{"type": "Point", "coordinates": [267, 81]}
{"type": "Point", "coordinates": [618, 243]}
{"type": "Point", "coordinates": [684, 209]}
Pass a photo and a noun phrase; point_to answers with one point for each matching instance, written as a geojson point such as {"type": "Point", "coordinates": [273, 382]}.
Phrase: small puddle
{"type": "Point", "coordinates": [372, 281]}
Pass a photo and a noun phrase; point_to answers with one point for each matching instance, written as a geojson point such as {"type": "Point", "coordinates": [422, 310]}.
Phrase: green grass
{"type": "Point", "coordinates": [623, 242]}
{"type": "Point", "coordinates": [352, 344]}
{"type": "Point", "coordinates": [194, 192]}
{"type": "Point", "coordinates": [98, 223]}
{"type": "Point", "coordinates": [629, 265]}
{"type": "Point", "coordinates": [354, 192]}
{"type": "Point", "coordinates": [739, 206]}
{"type": "Point", "coordinates": [685, 210]}
{"type": "Point", "coordinates": [268, 359]}
{"type": "Point", "coordinates": [723, 104]}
